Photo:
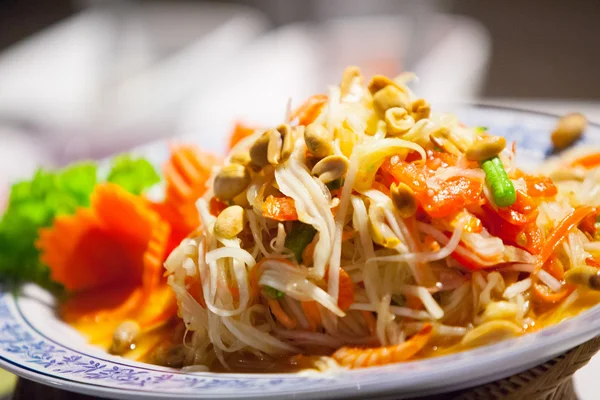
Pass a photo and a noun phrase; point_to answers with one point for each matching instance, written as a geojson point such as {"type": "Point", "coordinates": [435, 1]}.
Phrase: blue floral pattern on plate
{"type": "Point", "coordinates": [30, 353]}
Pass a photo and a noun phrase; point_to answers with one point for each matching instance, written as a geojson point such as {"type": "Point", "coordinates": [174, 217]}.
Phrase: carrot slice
{"type": "Point", "coordinates": [309, 110]}
{"type": "Point", "coordinates": [356, 357]}
{"type": "Point", "coordinates": [186, 174]}
{"type": "Point", "coordinates": [240, 131]}
{"type": "Point", "coordinates": [112, 260]}
{"type": "Point", "coordinates": [107, 243]}
{"type": "Point", "coordinates": [128, 216]}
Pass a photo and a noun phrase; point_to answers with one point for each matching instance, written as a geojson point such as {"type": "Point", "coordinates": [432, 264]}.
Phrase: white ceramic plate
{"type": "Point", "coordinates": [36, 345]}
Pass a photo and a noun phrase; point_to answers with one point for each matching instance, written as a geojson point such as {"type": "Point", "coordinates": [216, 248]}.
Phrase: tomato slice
{"type": "Point", "coordinates": [280, 208]}
{"type": "Point", "coordinates": [467, 262]}
{"type": "Point", "coordinates": [592, 262]}
{"type": "Point", "coordinates": [524, 211]}
{"type": "Point", "coordinates": [446, 198]}
{"type": "Point", "coordinates": [216, 206]}
{"type": "Point", "coordinates": [537, 185]}
{"type": "Point", "coordinates": [527, 237]}
{"type": "Point", "coordinates": [540, 186]}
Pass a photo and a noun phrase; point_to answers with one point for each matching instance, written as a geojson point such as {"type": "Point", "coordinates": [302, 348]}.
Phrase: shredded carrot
{"type": "Point", "coordinates": [286, 320]}
{"type": "Point", "coordinates": [280, 208]}
{"type": "Point", "coordinates": [348, 234]}
{"type": "Point", "coordinates": [560, 233]}
{"type": "Point", "coordinates": [554, 267]}
{"type": "Point", "coordinates": [311, 311]}
{"type": "Point", "coordinates": [346, 289]}
{"type": "Point", "coordinates": [592, 262]}
{"type": "Point", "coordinates": [346, 292]}
{"type": "Point", "coordinates": [309, 110]}
{"type": "Point", "coordinates": [543, 296]}
{"type": "Point", "coordinates": [309, 250]}
{"type": "Point", "coordinates": [240, 131]}
{"type": "Point", "coordinates": [369, 357]}
{"type": "Point", "coordinates": [371, 321]}
{"type": "Point", "coordinates": [253, 279]}
{"type": "Point", "coordinates": [588, 161]}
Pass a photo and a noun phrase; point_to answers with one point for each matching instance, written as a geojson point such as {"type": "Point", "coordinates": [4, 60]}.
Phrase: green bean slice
{"type": "Point", "coordinates": [502, 188]}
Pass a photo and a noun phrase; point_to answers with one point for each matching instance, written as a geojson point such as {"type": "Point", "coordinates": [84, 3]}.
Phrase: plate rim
{"type": "Point", "coordinates": [65, 383]}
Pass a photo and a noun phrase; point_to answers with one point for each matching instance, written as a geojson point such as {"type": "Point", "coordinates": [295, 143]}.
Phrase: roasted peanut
{"type": "Point", "coordinates": [378, 82]}
{"type": "Point", "coordinates": [420, 109]}
{"type": "Point", "coordinates": [232, 180]}
{"type": "Point", "coordinates": [398, 121]}
{"type": "Point", "coordinates": [318, 140]}
{"type": "Point", "coordinates": [485, 148]}
{"type": "Point", "coordinates": [259, 150]}
{"type": "Point", "coordinates": [331, 168]}
{"type": "Point", "coordinates": [230, 222]}
{"type": "Point", "coordinates": [124, 337]}
{"type": "Point", "coordinates": [404, 200]}
{"type": "Point", "coordinates": [389, 97]}
{"type": "Point", "coordinates": [569, 129]}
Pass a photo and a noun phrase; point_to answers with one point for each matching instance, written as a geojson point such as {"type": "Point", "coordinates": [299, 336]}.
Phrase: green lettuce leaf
{"type": "Point", "coordinates": [134, 175]}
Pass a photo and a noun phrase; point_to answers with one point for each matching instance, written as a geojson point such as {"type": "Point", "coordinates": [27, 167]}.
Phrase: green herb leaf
{"type": "Point", "coordinates": [299, 237]}
{"type": "Point", "coordinates": [134, 175]}
{"type": "Point", "coordinates": [272, 293]}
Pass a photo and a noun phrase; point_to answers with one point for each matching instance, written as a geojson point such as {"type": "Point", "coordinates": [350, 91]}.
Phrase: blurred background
{"type": "Point", "coordinates": [87, 78]}
{"type": "Point", "coordinates": [84, 79]}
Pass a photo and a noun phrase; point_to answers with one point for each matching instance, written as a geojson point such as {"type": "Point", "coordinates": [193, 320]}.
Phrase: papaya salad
{"type": "Point", "coordinates": [366, 230]}
{"type": "Point", "coordinates": [363, 230]}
